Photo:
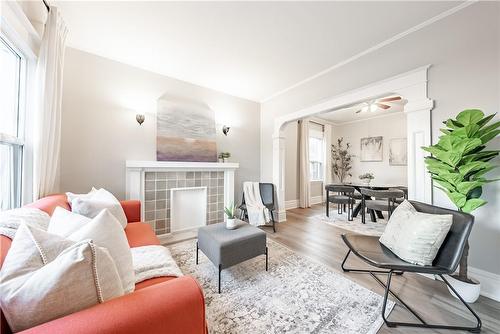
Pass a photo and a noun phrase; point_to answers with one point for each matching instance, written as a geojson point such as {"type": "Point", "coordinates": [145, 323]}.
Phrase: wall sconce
{"type": "Point", "coordinates": [225, 130]}
{"type": "Point", "coordinates": [140, 118]}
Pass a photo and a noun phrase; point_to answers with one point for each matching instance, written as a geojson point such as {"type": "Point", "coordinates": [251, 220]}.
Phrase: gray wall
{"type": "Point", "coordinates": [464, 51]}
{"type": "Point", "coordinates": [99, 131]}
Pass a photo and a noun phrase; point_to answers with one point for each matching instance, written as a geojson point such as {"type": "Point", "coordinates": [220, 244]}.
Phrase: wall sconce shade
{"type": "Point", "coordinates": [140, 118]}
{"type": "Point", "coordinates": [225, 130]}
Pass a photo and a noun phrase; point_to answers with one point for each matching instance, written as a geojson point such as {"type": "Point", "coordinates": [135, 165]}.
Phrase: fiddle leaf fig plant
{"type": "Point", "coordinates": [460, 161]}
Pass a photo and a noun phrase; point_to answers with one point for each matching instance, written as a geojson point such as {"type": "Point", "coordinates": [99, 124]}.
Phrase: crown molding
{"type": "Point", "coordinates": [391, 40]}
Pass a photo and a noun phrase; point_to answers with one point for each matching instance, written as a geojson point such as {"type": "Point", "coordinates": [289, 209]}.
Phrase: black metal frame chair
{"type": "Point", "coordinates": [385, 200]}
{"type": "Point", "coordinates": [267, 195]}
{"type": "Point", "coordinates": [344, 196]}
{"type": "Point", "coordinates": [371, 251]}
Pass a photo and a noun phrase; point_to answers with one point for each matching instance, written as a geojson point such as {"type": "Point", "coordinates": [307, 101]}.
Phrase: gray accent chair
{"type": "Point", "coordinates": [343, 196]}
{"type": "Point", "coordinates": [385, 200]}
{"type": "Point", "coordinates": [371, 251]}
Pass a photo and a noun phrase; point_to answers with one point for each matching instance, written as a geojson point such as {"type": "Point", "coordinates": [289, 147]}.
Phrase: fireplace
{"type": "Point", "coordinates": [178, 196]}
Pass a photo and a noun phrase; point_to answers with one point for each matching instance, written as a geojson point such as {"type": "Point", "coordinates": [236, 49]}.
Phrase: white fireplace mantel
{"type": "Point", "coordinates": [135, 175]}
{"type": "Point", "coordinates": [181, 166]}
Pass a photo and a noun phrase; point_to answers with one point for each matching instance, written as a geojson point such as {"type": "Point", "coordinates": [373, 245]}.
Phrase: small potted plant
{"type": "Point", "coordinates": [366, 177]}
{"type": "Point", "coordinates": [224, 155]}
{"type": "Point", "coordinates": [230, 213]}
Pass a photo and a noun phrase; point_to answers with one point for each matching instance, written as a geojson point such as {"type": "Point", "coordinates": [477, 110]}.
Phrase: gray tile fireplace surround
{"type": "Point", "coordinates": [157, 195]}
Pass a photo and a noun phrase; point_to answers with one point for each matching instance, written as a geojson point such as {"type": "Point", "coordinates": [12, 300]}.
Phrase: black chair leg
{"type": "Point", "coordinates": [220, 269]}
{"type": "Point", "coordinates": [272, 219]}
{"type": "Point", "coordinates": [197, 252]}
{"type": "Point", "coordinates": [327, 208]}
{"type": "Point", "coordinates": [387, 291]}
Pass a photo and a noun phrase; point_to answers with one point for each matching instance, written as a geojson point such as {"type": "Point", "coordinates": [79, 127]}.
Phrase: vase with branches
{"type": "Point", "coordinates": [341, 160]}
{"type": "Point", "coordinates": [459, 163]}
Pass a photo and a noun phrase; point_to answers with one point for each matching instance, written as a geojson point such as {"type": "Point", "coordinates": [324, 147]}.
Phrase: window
{"type": "Point", "coordinates": [11, 130]}
{"type": "Point", "coordinates": [316, 152]}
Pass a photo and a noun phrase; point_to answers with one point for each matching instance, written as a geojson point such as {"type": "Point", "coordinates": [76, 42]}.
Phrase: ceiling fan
{"type": "Point", "coordinates": [373, 105]}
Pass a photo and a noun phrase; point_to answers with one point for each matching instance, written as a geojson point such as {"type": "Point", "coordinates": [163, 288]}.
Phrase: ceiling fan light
{"type": "Point", "coordinates": [373, 107]}
{"type": "Point", "coordinates": [364, 109]}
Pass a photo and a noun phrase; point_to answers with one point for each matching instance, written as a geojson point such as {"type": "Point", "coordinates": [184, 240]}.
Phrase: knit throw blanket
{"type": "Point", "coordinates": [153, 261]}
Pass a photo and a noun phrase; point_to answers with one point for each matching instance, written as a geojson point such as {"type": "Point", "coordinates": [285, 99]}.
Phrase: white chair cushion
{"type": "Point", "coordinates": [45, 277]}
{"type": "Point", "coordinates": [101, 199]}
{"type": "Point", "coordinates": [414, 236]}
{"type": "Point", "coordinates": [105, 231]}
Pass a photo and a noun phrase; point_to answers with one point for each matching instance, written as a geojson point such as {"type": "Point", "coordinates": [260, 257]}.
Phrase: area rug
{"type": "Point", "coordinates": [356, 226]}
{"type": "Point", "coordinates": [296, 295]}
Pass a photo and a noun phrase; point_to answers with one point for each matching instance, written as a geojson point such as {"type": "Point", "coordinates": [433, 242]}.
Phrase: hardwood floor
{"type": "Point", "coordinates": [430, 298]}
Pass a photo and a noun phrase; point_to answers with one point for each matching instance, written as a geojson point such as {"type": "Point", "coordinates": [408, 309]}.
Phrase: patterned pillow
{"type": "Point", "coordinates": [414, 236]}
{"type": "Point", "coordinates": [45, 277]}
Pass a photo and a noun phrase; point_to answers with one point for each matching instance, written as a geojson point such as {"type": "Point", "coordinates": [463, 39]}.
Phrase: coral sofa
{"type": "Point", "coordinates": [158, 305]}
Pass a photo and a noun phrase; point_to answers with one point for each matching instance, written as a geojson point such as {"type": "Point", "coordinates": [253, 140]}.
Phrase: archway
{"type": "Point", "coordinates": [412, 86]}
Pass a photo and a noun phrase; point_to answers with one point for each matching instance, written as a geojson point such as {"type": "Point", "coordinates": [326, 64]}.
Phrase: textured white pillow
{"type": "Point", "coordinates": [64, 222]}
{"type": "Point", "coordinates": [45, 277]}
{"type": "Point", "coordinates": [10, 220]}
{"type": "Point", "coordinates": [99, 200]}
{"type": "Point", "coordinates": [106, 232]}
{"type": "Point", "coordinates": [72, 196]}
{"type": "Point", "coordinates": [414, 236]}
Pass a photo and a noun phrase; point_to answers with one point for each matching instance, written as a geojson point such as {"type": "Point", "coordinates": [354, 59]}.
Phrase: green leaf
{"type": "Point", "coordinates": [476, 192]}
{"type": "Point", "coordinates": [480, 173]}
{"type": "Point", "coordinates": [453, 124]}
{"type": "Point", "coordinates": [472, 204]}
{"type": "Point", "coordinates": [458, 199]}
{"type": "Point", "coordinates": [451, 178]}
{"type": "Point", "coordinates": [485, 120]}
{"type": "Point", "coordinates": [470, 116]}
{"type": "Point", "coordinates": [490, 127]}
{"type": "Point", "coordinates": [467, 186]}
{"type": "Point", "coordinates": [444, 184]}
{"type": "Point", "coordinates": [489, 136]}
{"type": "Point", "coordinates": [445, 131]}
{"type": "Point", "coordinates": [468, 131]}
{"type": "Point", "coordinates": [472, 167]}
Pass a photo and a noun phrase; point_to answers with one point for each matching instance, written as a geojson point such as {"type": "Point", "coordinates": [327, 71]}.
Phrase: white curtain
{"type": "Point", "coordinates": [304, 178]}
{"type": "Point", "coordinates": [47, 120]}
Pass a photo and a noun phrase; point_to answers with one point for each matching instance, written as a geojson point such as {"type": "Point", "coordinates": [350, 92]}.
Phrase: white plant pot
{"type": "Point", "coordinates": [468, 291]}
{"type": "Point", "coordinates": [231, 224]}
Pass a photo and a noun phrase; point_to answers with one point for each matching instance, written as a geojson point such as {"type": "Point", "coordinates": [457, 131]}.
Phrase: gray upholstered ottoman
{"type": "Point", "coordinates": [226, 248]}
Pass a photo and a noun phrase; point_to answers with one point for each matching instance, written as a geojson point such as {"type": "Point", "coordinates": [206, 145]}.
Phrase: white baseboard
{"type": "Point", "coordinates": [317, 199]}
{"type": "Point", "coordinates": [490, 283]}
{"type": "Point", "coordinates": [292, 204]}
{"type": "Point", "coordinates": [281, 216]}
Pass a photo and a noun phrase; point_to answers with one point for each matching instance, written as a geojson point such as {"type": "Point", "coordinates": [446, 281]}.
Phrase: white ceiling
{"type": "Point", "coordinates": [247, 49]}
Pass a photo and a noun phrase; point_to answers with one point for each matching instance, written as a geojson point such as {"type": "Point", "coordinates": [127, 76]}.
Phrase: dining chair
{"type": "Point", "coordinates": [267, 195]}
{"type": "Point", "coordinates": [385, 200]}
{"type": "Point", "coordinates": [405, 191]}
{"type": "Point", "coordinates": [370, 250]}
{"type": "Point", "coordinates": [343, 197]}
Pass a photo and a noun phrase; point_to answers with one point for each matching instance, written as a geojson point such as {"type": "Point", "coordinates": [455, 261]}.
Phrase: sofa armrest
{"type": "Point", "coordinates": [174, 306]}
{"type": "Point", "coordinates": [132, 209]}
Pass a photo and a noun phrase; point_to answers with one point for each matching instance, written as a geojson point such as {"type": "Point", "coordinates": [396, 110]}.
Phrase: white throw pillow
{"type": "Point", "coordinates": [72, 196]}
{"type": "Point", "coordinates": [99, 200]}
{"type": "Point", "coordinates": [10, 220]}
{"type": "Point", "coordinates": [105, 231]}
{"type": "Point", "coordinates": [45, 277]}
{"type": "Point", "coordinates": [64, 222]}
{"type": "Point", "coordinates": [414, 236]}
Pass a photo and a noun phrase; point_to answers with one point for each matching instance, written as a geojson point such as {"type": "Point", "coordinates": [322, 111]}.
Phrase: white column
{"type": "Point", "coordinates": [279, 173]}
{"type": "Point", "coordinates": [419, 134]}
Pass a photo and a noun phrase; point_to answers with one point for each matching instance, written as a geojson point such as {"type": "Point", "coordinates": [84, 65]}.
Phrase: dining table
{"type": "Point", "coordinates": [358, 186]}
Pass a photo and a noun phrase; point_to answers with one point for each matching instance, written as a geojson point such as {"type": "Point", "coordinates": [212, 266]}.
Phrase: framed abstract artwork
{"type": "Point", "coordinates": [398, 152]}
{"type": "Point", "coordinates": [371, 149]}
{"type": "Point", "coordinates": [185, 131]}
